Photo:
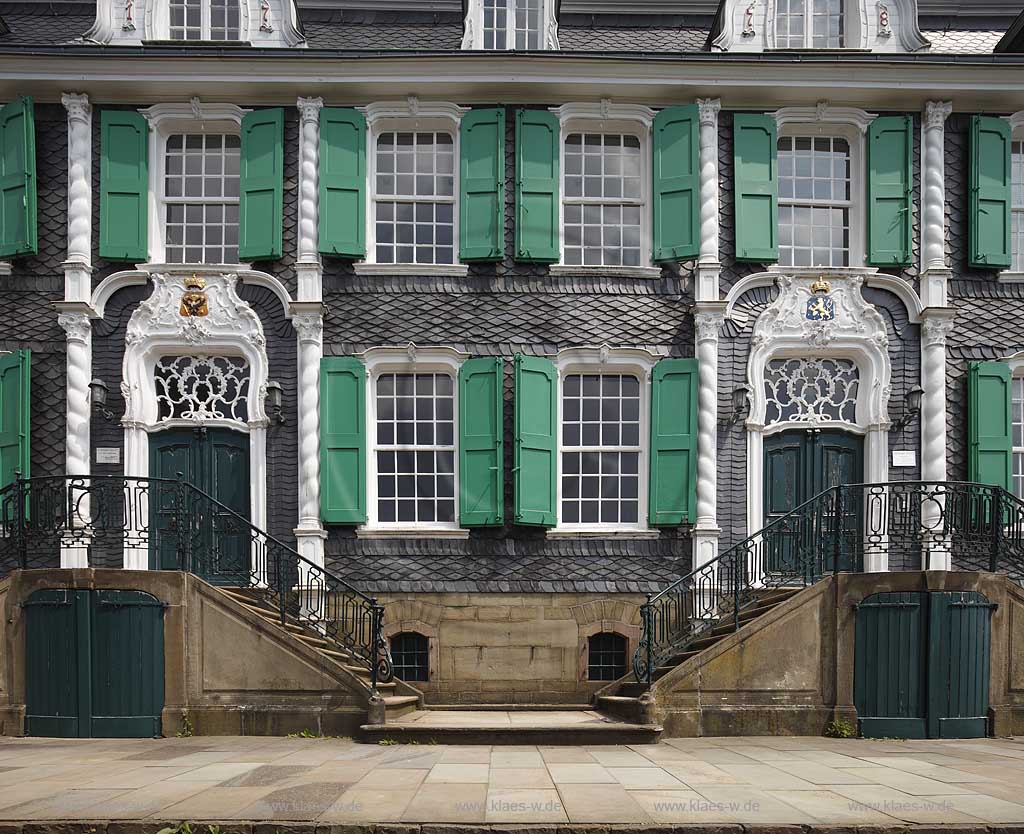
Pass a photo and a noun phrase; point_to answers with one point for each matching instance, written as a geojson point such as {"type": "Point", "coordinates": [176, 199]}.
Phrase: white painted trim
{"type": "Point", "coordinates": [410, 114]}
{"type": "Point", "coordinates": [1009, 276]}
{"type": "Point", "coordinates": [410, 359]}
{"type": "Point", "coordinates": [106, 289]}
{"type": "Point", "coordinates": [858, 333]}
{"type": "Point", "coordinates": [616, 360]}
{"type": "Point", "coordinates": [563, 271]}
{"type": "Point", "coordinates": [165, 120]}
{"type": "Point", "coordinates": [158, 21]}
{"type": "Point", "coordinates": [156, 329]}
{"type": "Point", "coordinates": [473, 25]}
{"type": "Point", "coordinates": [606, 116]}
{"type": "Point", "coordinates": [824, 113]}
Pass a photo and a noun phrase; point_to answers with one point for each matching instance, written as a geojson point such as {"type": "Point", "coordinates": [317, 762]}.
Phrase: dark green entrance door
{"type": "Point", "coordinates": [216, 461]}
{"type": "Point", "coordinates": [798, 465]}
{"type": "Point", "coordinates": [94, 664]}
{"type": "Point", "coordinates": [921, 665]}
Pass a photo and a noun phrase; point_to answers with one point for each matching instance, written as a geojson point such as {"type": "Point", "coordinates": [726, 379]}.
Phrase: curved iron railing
{"type": "Point", "coordinates": [113, 521]}
{"type": "Point", "coordinates": [911, 525]}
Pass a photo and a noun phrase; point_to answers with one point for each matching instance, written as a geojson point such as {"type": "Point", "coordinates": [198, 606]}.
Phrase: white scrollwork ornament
{"type": "Point", "coordinates": [810, 390]}
{"type": "Point", "coordinates": [202, 388]}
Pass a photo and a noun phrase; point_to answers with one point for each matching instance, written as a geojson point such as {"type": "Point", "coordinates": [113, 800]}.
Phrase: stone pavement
{"type": "Point", "coordinates": [751, 781]}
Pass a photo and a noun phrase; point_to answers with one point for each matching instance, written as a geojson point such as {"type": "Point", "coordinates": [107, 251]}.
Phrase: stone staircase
{"type": "Point", "coordinates": [398, 697]}
{"type": "Point", "coordinates": [625, 698]}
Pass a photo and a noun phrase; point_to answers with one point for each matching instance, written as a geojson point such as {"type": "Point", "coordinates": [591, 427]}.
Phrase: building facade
{"type": "Point", "coordinates": [507, 312]}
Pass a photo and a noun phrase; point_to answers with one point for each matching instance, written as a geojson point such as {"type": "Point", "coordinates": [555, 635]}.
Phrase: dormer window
{"type": "Point", "coordinates": [809, 24]}
{"type": "Point", "coordinates": [510, 24]}
{"type": "Point", "coordinates": [205, 20]}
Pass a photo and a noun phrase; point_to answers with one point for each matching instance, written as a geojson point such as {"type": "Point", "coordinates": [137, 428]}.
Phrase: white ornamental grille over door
{"type": "Point", "coordinates": [804, 390]}
{"type": "Point", "coordinates": [202, 388]}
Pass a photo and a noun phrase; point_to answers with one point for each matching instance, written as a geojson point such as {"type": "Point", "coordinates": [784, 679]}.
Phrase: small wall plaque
{"type": "Point", "coordinates": [107, 454]}
{"type": "Point", "coordinates": [902, 458]}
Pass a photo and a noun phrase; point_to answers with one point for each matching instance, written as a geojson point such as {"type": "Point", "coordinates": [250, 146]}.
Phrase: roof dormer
{"type": "Point", "coordinates": [262, 23]}
{"type": "Point", "coordinates": [510, 25]}
{"type": "Point", "coordinates": [867, 25]}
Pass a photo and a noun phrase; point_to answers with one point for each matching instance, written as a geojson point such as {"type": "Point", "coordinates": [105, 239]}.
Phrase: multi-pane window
{"type": "Point", "coordinates": [201, 198]}
{"type": "Point", "coordinates": [603, 200]}
{"type": "Point", "coordinates": [600, 449]}
{"type": "Point", "coordinates": [815, 205]}
{"type": "Point", "coordinates": [415, 448]}
{"type": "Point", "coordinates": [1018, 436]}
{"type": "Point", "coordinates": [415, 198]}
{"type": "Point", "coordinates": [606, 656]}
{"type": "Point", "coordinates": [512, 24]}
{"type": "Point", "coordinates": [410, 653]}
{"type": "Point", "coordinates": [207, 20]}
{"type": "Point", "coordinates": [1017, 206]}
{"type": "Point", "coordinates": [817, 24]}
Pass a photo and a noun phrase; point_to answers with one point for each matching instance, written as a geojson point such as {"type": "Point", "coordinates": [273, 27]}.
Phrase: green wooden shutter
{"type": "Point", "coordinates": [262, 185]}
{"type": "Point", "coordinates": [989, 427]}
{"type": "Point", "coordinates": [890, 178]}
{"type": "Point", "coordinates": [673, 498]}
{"type": "Point", "coordinates": [18, 178]}
{"type": "Point", "coordinates": [124, 186]}
{"type": "Point", "coordinates": [538, 139]}
{"type": "Point", "coordinates": [536, 434]}
{"type": "Point", "coordinates": [676, 183]}
{"type": "Point", "coordinates": [989, 207]}
{"type": "Point", "coordinates": [756, 161]}
{"type": "Point", "coordinates": [15, 415]}
{"type": "Point", "coordinates": [342, 182]}
{"type": "Point", "coordinates": [481, 481]}
{"type": "Point", "coordinates": [343, 440]}
{"type": "Point", "coordinates": [482, 181]}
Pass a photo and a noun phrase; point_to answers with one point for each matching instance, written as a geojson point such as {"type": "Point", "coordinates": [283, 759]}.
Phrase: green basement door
{"type": "Point", "coordinates": [798, 465]}
{"type": "Point", "coordinates": [922, 665]}
{"type": "Point", "coordinates": [94, 664]}
{"type": "Point", "coordinates": [215, 461]}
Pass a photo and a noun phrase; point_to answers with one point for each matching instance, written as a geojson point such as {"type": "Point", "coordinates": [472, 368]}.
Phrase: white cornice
{"type": "Point", "coordinates": [194, 110]}
{"type": "Point", "coordinates": [413, 108]}
{"type": "Point", "coordinates": [604, 110]}
{"type": "Point", "coordinates": [825, 113]}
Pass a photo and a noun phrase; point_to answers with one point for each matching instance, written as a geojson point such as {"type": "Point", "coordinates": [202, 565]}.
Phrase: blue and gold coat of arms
{"type": "Point", "coordinates": [821, 306]}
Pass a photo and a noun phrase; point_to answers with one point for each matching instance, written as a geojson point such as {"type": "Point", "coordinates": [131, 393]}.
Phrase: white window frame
{"type": "Point", "coordinates": [1017, 377]}
{"type": "Point", "coordinates": [409, 116]}
{"type": "Point", "coordinates": [473, 29]}
{"type": "Point", "coordinates": [407, 360]}
{"type": "Point", "coordinates": [852, 125]}
{"type": "Point", "coordinates": [606, 117]}
{"type": "Point", "coordinates": [1014, 275]}
{"type": "Point", "coordinates": [158, 21]}
{"type": "Point", "coordinates": [639, 363]}
{"type": "Point", "coordinates": [167, 120]}
{"type": "Point", "coordinates": [808, 36]}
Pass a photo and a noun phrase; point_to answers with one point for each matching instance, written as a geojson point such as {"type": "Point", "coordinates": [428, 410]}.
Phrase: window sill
{"type": "Point", "coordinates": [563, 270]}
{"type": "Point", "coordinates": [567, 533]}
{"type": "Point", "coordinates": [410, 533]}
{"type": "Point", "coordinates": [1009, 276]}
{"type": "Point", "coordinates": [425, 270]}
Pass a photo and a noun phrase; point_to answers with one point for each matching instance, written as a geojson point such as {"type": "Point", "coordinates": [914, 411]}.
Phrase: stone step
{"type": "Point", "coordinates": [472, 726]}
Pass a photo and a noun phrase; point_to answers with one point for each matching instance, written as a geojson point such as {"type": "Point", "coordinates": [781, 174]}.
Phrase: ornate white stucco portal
{"type": "Point", "coordinates": [826, 324]}
{"type": "Point", "coordinates": [230, 335]}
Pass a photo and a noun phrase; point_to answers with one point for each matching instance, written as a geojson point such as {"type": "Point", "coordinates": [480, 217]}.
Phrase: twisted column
{"type": "Point", "coordinates": [77, 267]}
{"type": "Point", "coordinates": [937, 324]}
{"type": "Point", "coordinates": [310, 533]}
{"type": "Point", "coordinates": [708, 319]}
{"type": "Point", "coordinates": [707, 264]}
{"type": "Point", "coordinates": [308, 261]}
{"type": "Point", "coordinates": [78, 330]}
{"type": "Point", "coordinates": [933, 199]}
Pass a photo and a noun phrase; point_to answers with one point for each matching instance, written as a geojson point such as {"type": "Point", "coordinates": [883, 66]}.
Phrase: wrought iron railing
{"type": "Point", "coordinates": [113, 521]}
{"type": "Point", "coordinates": [912, 525]}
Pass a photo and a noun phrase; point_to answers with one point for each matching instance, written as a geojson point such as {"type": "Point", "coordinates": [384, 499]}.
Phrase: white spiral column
{"type": "Point", "coordinates": [934, 272]}
{"type": "Point", "coordinates": [308, 264]}
{"type": "Point", "coordinates": [310, 534]}
{"type": "Point", "coordinates": [78, 329]}
{"type": "Point", "coordinates": [708, 266]}
{"type": "Point", "coordinates": [936, 326]}
{"type": "Point", "coordinates": [708, 320]}
{"type": "Point", "coordinates": [78, 266]}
